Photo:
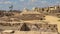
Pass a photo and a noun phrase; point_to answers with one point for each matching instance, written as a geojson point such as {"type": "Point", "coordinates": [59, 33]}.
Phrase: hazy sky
{"type": "Point", "coordinates": [20, 4]}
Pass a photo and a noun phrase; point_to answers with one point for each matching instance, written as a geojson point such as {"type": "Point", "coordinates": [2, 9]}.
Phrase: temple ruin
{"type": "Point", "coordinates": [28, 21]}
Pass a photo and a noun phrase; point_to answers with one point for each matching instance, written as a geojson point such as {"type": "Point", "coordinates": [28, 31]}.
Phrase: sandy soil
{"type": "Point", "coordinates": [53, 20]}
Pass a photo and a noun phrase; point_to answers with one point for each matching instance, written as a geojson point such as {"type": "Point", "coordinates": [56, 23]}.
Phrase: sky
{"type": "Point", "coordinates": [29, 4]}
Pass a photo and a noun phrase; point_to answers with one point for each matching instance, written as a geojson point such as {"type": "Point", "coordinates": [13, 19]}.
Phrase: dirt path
{"type": "Point", "coordinates": [53, 20]}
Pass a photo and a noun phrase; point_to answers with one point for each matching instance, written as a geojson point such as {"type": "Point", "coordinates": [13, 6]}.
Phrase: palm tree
{"type": "Point", "coordinates": [11, 7]}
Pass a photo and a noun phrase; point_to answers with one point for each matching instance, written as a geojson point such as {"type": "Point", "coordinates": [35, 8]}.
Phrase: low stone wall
{"type": "Point", "coordinates": [28, 32]}
{"type": "Point", "coordinates": [29, 27]}
{"type": "Point", "coordinates": [34, 32]}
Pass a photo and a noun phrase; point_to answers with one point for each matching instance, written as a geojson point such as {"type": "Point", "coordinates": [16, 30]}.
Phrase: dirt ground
{"type": "Point", "coordinates": [53, 20]}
